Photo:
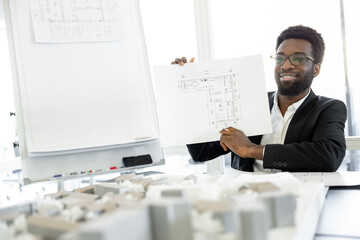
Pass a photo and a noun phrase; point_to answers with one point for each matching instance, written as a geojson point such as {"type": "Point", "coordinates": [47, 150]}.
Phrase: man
{"type": "Point", "coordinates": [308, 130]}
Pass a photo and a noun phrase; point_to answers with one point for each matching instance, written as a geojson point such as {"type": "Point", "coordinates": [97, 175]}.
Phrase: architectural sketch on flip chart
{"type": "Point", "coordinates": [222, 93]}
{"type": "Point", "coordinates": [56, 21]}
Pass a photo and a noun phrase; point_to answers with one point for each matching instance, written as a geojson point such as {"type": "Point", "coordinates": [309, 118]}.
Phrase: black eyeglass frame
{"type": "Point", "coordinates": [289, 57]}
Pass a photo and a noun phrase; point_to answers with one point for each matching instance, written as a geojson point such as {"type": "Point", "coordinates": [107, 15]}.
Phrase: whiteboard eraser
{"type": "Point", "coordinates": [137, 160]}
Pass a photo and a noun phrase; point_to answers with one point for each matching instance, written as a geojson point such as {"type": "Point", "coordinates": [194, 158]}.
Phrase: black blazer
{"type": "Point", "coordinates": [314, 141]}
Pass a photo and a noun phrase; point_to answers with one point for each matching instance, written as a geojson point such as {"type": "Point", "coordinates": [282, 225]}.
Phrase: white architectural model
{"type": "Point", "coordinates": [247, 207]}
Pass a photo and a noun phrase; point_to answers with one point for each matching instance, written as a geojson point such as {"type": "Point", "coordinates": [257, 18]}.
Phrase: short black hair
{"type": "Point", "coordinates": [308, 34]}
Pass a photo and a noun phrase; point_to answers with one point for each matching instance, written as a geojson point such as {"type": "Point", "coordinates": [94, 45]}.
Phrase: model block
{"type": "Point", "coordinates": [280, 207]}
{"type": "Point", "coordinates": [171, 219]}
{"type": "Point", "coordinates": [249, 219]}
{"type": "Point", "coordinates": [123, 223]}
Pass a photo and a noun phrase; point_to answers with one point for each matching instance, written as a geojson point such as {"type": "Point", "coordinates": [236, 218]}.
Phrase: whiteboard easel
{"type": "Point", "coordinates": [81, 107]}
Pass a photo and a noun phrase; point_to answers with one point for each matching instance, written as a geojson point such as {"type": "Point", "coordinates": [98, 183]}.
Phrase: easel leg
{"type": "Point", "coordinates": [60, 184]}
{"type": "Point", "coordinates": [91, 181]}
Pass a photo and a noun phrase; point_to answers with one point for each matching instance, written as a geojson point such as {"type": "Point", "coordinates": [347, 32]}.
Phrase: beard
{"type": "Point", "coordinates": [294, 88]}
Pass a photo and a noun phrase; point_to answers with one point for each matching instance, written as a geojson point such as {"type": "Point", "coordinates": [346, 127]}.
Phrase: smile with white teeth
{"type": "Point", "coordinates": [287, 77]}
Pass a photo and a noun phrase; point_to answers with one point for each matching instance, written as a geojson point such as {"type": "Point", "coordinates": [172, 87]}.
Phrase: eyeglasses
{"type": "Point", "coordinates": [296, 59]}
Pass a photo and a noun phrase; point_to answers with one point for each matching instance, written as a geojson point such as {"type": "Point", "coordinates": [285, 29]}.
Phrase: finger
{"type": "Point", "coordinates": [232, 129]}
{"type": "Point", "coordinates": [225, 131]}
{"type": "Point", "coordinates": [223, 146]}
{"type": "Point", "coordinates": [192, 60]}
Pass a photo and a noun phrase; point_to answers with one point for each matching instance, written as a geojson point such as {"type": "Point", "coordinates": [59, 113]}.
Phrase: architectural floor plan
{"type": "Point", "coordinates": [75, 21]}
{"type": "Point", "coordinates": [195, 101]}
{"type": "Point", "coordinates": [222, 93]}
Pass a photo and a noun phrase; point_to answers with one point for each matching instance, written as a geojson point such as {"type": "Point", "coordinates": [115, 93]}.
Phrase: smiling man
{"type": "Point", "coordinates": [308, 130]}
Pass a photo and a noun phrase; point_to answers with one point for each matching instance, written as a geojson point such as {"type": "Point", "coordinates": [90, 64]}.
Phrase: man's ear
{"type": "Point", "coordinates": [317, 68]}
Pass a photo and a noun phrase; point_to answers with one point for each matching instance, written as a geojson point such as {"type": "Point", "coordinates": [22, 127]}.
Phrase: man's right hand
{"type": "Point", "coordinates": [181, 61]}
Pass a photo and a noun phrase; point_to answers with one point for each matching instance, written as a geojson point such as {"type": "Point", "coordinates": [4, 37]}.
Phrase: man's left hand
{"type": "Point", "coordinates": [236, 141]}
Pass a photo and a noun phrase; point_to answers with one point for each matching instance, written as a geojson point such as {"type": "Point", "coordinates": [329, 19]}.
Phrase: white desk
{"type": "Point", "coordinates": [340, 218]}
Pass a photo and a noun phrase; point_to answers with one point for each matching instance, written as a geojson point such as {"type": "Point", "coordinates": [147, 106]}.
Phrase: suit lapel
{"type": "Point", "coordinates": [301, 115]}
{"type": "Point", "coordinates": [271, 96]}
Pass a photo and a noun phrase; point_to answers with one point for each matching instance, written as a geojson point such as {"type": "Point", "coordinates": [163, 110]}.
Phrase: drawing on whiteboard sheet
{"type": "Point", "coordinates": [222, 93]}
{"type": "Point", "coordinates": [75, 20]}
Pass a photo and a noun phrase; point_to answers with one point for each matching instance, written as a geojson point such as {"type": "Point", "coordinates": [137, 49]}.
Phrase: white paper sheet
{"type": "Point", "coordinates": [195, 101]}
{"type": "Point", "coordinates": [342, 178]}
{"type": "Point", "coordinates": [75, 21]}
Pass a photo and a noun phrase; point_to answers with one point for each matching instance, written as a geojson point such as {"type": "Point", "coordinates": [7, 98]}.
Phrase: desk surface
{"type": "Point", "coordinates": [340, 218]}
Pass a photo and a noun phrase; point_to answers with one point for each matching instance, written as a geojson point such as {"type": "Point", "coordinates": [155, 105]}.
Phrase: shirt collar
{"type": "Point", "coordinates": [295, 105]}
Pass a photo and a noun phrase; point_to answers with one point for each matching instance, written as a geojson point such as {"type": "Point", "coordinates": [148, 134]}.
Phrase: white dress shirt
{"type": "Point", "coordinates": [280, 125]}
